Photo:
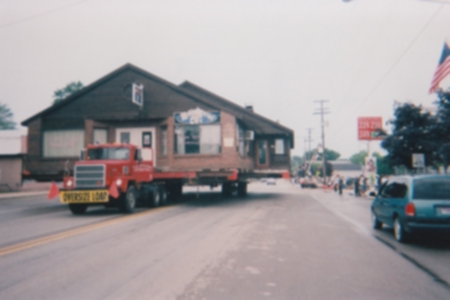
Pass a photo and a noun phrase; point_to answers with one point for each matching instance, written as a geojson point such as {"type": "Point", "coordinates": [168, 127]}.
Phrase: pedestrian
{"type": "Point", "coordinates": [340, 184]}
{"type": "Point", "coordinates": [357, 194]}
{"type": "Point", "coordinates": [364, 184]}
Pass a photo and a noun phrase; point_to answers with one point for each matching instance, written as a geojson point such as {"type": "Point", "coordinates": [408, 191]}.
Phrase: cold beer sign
{"type": "Point", "coordinates": [368, 128]}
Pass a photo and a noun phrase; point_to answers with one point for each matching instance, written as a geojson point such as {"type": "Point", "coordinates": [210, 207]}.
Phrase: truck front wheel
{"type": "Point", "coordinates": [128, 201]}
{"type": "Point", "coordinates": [78, 209]}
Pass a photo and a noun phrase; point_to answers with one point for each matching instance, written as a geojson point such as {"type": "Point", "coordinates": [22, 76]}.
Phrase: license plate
{"type": "Point", "coordinates": [445, 210]}
{"type": "Point", "coordinates": [84, 196]}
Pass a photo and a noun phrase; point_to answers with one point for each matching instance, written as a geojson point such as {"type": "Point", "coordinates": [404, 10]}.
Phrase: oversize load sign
{"type": "Point", "coordinates": [367, 128]}
{"type": "Point", "coordinates": [94, 196]}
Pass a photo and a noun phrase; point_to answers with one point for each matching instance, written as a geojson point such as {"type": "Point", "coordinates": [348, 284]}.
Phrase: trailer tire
{"type": "Point", "coordinates": [78, 209]}
{"type": "Point", "coordinates": [156, 197]}
{"type": "Point", "coordinates": [242, 189]}
{"type": "Point", "coordinates": [128, 200]}
{"type": "Point", "coordinates": [227, 189]}
{"type": "Point", "coordinates": [163, 195]}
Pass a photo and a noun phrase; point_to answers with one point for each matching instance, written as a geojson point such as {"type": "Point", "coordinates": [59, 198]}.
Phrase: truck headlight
{"type": "Point", "coordinates": [119, 182]}
{"type": "Point", "coordinates": [69, 183]}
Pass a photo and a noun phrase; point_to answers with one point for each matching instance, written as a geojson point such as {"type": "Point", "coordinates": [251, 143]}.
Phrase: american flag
{"type": "Point", "coordinates": [443, 69]}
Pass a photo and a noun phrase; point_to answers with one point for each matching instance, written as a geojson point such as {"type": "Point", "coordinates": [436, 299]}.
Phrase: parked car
{"type": "Point", "coordinates": [413, 205]}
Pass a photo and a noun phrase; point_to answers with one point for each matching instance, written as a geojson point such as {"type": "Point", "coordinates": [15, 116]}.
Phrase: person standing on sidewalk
{"type": "Point", "coordinates": [340, 184]}
{"type": "Point", "coordinates": [357, 193]}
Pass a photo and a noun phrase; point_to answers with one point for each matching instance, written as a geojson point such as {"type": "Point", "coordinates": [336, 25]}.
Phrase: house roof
{"type": "Point", "coordinates": [258, 123]}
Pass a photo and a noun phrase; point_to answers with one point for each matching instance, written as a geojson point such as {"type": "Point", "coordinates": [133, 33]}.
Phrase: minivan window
{"type": "Point", "coordinates": [432, 188]}
{"type": "Point", "coordinates": [394, 190]}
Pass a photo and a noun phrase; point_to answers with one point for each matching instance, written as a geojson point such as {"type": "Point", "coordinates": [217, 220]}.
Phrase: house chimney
{"type": "Point", "coordinates": [249, 107]}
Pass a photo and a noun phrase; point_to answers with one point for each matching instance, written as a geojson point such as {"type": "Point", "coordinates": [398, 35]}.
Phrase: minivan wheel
{"type": "Point", "coordinates": [376, 224]}
{"type": "Point", "coordinates": [399, 232]}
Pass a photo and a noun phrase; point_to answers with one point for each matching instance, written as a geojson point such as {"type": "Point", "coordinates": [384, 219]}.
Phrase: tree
{"type": "Point", "coordinates": [6, 115]}
{"type": "Point", "coordinates": [383, 166]}
{"type": "Point", "coordinates": [414, 131]}
{"type": "Point", "coordinates": [69, 89]}
{"type": "Point", "coordinates": [296, 162]}
{"type": "Point", "coordinates": [442, 129]}
{"type": "Point", "coordinates": [329, 155]}
{"type": "Point", "coordinates": [359, 158]}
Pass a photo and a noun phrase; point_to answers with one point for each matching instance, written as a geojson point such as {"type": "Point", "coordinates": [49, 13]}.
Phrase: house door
{"type": "Point", "coordinates": [143, 137]}
{"type": "Point", "coordinates": [262, 153]}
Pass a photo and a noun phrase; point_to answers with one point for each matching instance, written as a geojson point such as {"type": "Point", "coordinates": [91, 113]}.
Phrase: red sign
{"type": "Point", "coordinates": [367, 128]}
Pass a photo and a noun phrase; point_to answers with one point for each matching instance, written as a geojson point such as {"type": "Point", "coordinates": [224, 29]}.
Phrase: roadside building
{"type": "Point", "coordinates": [12, 150]}
{"type": "Point", "coordinates": [346, 169]}
{"type": "Point", "coordinates": [181, 127]}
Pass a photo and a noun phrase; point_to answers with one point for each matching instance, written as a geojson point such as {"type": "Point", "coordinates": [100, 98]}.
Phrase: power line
{"type": "Point", "coordinates": [2, 26]}
{"type": "Point", "coordinates": [389, 71]}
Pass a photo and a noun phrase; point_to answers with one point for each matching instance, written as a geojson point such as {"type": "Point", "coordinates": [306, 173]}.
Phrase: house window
{"type": "Point", "coordinates": [197, 139]}
{"type": "Point", "coordinates": [241, 140]}
{"type": "Point", "coordinates": [62, 143]}
{"type": "Point", "coordinates": [279, 146]}
{"type": "Point", "coordinates": [164, 142]}
{"type": "Point", "coordinates": [100, 136]}
{"type": "Point", "coordinates": [262, 152]}
{"type": "Point", "coordinates": [124, 137]}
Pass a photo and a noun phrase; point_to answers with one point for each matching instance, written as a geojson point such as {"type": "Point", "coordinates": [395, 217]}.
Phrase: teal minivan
{"type": "Point", "coordinates": [413, 205]}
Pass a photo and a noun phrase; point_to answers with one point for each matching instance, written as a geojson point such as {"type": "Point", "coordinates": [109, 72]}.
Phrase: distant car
{"type": "Point", "coordinates": [271, 181]}
{"type": "Point", "coordinates": [307, 182]}
{"type": "Point", "coordinates": [413, 205]}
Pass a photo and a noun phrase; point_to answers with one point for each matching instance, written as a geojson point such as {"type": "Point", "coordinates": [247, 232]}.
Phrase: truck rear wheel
{"type": "Point", "coordinates": [163, 195]}
{"type": "Point", "coordinates": [156, 197]}
{"type": "Point", "coordinates": [127, 202]}
{"type": "Point", "coordinates": [78, 209]}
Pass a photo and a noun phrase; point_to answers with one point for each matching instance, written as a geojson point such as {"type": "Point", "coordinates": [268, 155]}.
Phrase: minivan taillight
{"type": "Point", "coordinates": [410, 210]}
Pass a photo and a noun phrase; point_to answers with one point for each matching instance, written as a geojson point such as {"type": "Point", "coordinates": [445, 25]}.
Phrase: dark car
{"type": "Point", "coordinates": [413, 205]}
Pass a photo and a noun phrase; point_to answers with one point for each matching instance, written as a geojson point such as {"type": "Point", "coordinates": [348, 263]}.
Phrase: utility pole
{"type": "Point", "coordinates": [322, 111]}
{"type": "Point", "coordinates": [309, 138]}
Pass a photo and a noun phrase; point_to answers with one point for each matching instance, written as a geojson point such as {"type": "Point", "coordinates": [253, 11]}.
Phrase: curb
{"type": "Point", "coordinates": [22, 194]}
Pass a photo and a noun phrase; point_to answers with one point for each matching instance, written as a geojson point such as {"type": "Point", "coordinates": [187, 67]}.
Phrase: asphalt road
{"type": "Point", "coordinates": [280, 242]}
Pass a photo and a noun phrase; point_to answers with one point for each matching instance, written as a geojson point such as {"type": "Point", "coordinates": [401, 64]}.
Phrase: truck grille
{"type": "Point", "coordinates": [91, 176]}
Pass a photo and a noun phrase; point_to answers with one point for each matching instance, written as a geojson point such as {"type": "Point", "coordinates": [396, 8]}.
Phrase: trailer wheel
{"type": "Point", "coordinates": [227, 189]}
{"type": "Point", "coordinates": [128, 200]}
{"type": "Point", "coordinates": [163, 195]}
{"type": "Point", "coordinates": [78, 209]}
{"type": "Point", "coordinates": [156, 197]}
{"type": "Point", "coordinates": [242, 189]}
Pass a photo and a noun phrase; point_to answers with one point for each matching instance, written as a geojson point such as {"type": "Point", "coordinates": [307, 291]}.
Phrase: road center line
{"type": "Point", "coordinates": [72, 232]}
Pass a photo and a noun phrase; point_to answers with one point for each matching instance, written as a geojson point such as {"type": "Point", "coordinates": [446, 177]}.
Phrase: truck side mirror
{"type": "Point", "coordinates": [83, 154]}
{"type": "Point", "coordinates": [139, 155]}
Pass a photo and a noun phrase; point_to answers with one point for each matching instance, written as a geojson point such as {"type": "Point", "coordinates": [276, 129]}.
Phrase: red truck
{"type": "Point", "coordinates": [115, 175]}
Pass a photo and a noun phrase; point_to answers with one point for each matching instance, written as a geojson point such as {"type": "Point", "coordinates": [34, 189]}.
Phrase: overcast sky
{"type": "Point", "coordinates": [278, 55]}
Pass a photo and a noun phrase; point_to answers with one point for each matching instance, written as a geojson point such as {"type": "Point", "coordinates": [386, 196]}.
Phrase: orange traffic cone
{"type": "Point", "coordinates": [54, 191]}
{"type": "Point", "coordinates": [113, 191]}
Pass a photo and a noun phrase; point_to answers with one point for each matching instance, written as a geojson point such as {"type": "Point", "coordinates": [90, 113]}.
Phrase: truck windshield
{"type": "Point", "coordinates": [108, 153]}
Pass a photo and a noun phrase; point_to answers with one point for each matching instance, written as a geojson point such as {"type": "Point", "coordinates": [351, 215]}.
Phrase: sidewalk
{"type": "Point", "coordinates": [29, 188]}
